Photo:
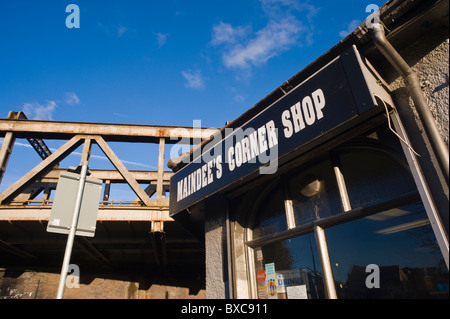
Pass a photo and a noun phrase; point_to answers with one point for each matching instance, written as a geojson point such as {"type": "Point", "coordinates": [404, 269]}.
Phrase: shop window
{"type": "Point", "coordinates": [371, 177]}
{"type": "Point", "coordinates": [314, 193]}
{"type": "Point", "coordinates": [364, 199]}
{"type": "Point", "coordinates": [289, 269]}
{"type": "Point", "coordinates": [399, 244]}
{"type": "Point", "coordinates": [271, 218]}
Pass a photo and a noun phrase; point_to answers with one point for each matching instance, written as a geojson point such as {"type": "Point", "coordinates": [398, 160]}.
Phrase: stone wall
{"type": "Point", "coordinates": [44, 285]}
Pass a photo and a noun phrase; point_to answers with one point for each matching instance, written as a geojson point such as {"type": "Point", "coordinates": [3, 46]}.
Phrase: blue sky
{"type": "Point", "coordinates": [158, 62]}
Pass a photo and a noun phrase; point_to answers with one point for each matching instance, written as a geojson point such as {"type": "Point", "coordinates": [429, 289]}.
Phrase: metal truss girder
{"type": "Point", "coordinates": [90, 249]}
{"type": "Point", "coordinates": [110, 132]}
{"type": "Point", "coordinates": [15, 251]}
{"type": "Point", "coordinates": [123, 170]}
{"type": "Point", "coordinates": [113, 176]}
{"type": "Point", "coordinates": [42, 213]}
{"type": "Point", "coordinates": [41, 169]}
{"type": "Point", "coordinates": [40, 147]}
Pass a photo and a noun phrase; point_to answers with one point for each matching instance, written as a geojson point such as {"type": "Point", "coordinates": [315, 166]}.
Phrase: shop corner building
{"type": "Point", "coordinates": [357, 206]}
{"type": "Point", "coordinates": [335, 185]}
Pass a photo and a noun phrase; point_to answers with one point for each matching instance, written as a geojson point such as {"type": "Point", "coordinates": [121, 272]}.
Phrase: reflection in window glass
{"type": "Point", "coordinates": [372, 177]}
{"type": "Point", "coordinates": [401, 243]}
{"type": "Point", "coordinates": [271, 216]}
{"type": "Point", "coordinates": [314, 193]}
{"type": "Point", "coordinates": [289, 269]}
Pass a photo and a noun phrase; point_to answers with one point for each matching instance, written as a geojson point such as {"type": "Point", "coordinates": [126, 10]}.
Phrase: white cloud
{"type": "Point", "coordinates": [225, 33]}
{"type": "Point", "coordinates": [22, 144]}
{"type": "Point", "coordinates": [114, 30]}
{"type": "Point", "coordinates": [275, 8]}
{"type": "Point", "coordinates": [121, 30]}
{"type": "Point", "coordinates": [161, 38]}
{"type": "Point", "coordinates": [119, 114]}
{"type": "Point", "coordinates": [71, 98]}
{"type": "Point", "coordinates": [239, 98]}
{"type": "Point", "coordinates": [278, 2]}
{"type": "Point", "coordinates": [272, 40]}
{"type": "Point", "coordinates": [36, 111]}
{"type": "Point", "coordinates": [194, 79]}
{"type": "Point", "coordinates": [242, 49]}
{"type": "Point", "coordinates": [350, 28]}
{"type": "Point", "coordinates": [104, 28]}
{"type": "Point", "coordinates": [104, 158]}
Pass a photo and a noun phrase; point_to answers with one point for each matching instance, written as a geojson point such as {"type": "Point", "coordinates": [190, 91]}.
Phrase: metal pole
{"type": "Point", "coordinates": [325, 262]}
{"type": "Point", "coordinates": [229, 253]}
{"type": "Point", "coordinates": [415, 91]}
{"type": "Point", "coordinates": [72, 230]}
{"type": "Point", "coordinates": [424, 191]}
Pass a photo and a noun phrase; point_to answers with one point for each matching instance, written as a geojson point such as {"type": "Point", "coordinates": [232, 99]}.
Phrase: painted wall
{"type": "Point", "coordinates": [428, 56]}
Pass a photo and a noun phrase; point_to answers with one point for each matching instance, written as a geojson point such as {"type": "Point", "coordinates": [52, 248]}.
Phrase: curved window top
{"type": "Point", "coordinates": [314, 193]}
{"type": "Point", "coordinates": [271, 217]}
{"type": "Point", "coordinates": [372, 176]}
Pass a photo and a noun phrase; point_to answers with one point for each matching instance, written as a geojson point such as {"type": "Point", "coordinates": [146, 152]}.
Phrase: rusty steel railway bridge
{"type": "Point", "coordinates": [137, 233]}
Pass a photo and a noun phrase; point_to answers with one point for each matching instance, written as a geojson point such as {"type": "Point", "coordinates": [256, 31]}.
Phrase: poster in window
{"type": "Point", "coordinates": [287, 278]}
{"type": "Point", "coordinates": [271, 281]}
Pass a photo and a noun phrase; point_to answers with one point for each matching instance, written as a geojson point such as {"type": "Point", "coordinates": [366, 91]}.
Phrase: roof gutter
{"type": "Point", "coordinates": [413, 85]}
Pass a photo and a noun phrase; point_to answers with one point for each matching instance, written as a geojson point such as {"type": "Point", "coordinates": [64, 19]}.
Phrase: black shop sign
{"type": "Point", "coordinates": [337, 94]}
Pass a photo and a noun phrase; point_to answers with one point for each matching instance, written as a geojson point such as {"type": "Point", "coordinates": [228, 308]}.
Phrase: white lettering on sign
{"type": "Point", "coordinates": [244, 146]}
{"type": "Point", "coordinates": [200, 178]}
{"type": "Point", "coordinates": [305, 113]}
{"type": "Point", "coordinates": [247, 148]}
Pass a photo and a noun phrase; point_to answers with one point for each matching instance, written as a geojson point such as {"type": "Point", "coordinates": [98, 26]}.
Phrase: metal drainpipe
{"type": "Point", "coordinates": [415, 91]}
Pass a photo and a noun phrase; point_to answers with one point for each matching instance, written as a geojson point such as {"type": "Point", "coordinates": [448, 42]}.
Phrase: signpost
{"type": "Point", "coordinates": [74, 212]}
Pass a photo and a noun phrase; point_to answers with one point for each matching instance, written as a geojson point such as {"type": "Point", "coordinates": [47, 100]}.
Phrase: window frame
{"type": "Point", "coordinates": [318, 226]}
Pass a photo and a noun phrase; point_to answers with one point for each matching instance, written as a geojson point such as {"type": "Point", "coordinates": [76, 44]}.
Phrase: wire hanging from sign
{"type": "Point", "coordinates": [393, 131]}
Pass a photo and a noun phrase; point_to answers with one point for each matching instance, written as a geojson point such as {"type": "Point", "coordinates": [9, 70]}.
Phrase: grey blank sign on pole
{"type": "Point", "coordinates": [64, 203]}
